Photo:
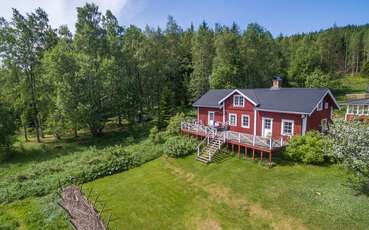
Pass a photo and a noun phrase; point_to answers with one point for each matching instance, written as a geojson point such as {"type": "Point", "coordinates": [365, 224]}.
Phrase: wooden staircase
{"type": "Point", "coordinates": [213, 145]}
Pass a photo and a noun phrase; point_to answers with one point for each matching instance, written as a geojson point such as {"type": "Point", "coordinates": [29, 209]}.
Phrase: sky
{"type": "Point", "coordinates": [277, 16]}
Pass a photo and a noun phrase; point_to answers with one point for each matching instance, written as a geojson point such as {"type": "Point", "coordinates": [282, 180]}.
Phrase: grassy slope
{"type": "Point", "coordinates": [350, 84]}
{"type": "Point", "coordinates": [234, 194]}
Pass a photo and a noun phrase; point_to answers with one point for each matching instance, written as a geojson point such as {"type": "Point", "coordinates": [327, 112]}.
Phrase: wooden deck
{"type": "Point", "coordinates": [234, 138]}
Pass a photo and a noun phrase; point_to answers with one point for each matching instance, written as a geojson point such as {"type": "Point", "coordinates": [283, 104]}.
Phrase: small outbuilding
{"type": "Point", "coordinates": [357, 110]}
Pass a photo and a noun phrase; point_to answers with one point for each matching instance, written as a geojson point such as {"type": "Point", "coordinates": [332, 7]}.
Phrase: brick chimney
{"type": "Point", "coordinates": [277, 82]}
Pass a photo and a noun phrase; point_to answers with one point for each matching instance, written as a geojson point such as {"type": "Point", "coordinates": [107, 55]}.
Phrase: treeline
{"type": "Point", "coordinates": [335, 51]}
{"type": "Point", "coordinates": [54, 80]}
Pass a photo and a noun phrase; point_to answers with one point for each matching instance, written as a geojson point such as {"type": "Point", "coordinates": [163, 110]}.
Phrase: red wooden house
{"type": "Point", "coordinates": [259, 119]}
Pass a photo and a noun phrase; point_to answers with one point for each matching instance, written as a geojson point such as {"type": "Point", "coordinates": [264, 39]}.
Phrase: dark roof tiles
{"type": "Point", "coordinates": [294, 100]}
{"type": "Point", "coordinates": [359, 102]}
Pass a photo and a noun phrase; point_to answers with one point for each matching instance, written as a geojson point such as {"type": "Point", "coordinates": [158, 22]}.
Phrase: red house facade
{"type": "Point", "coordinates": [242, 114]}
{"type": "Point", "coordinates": [262, 119]}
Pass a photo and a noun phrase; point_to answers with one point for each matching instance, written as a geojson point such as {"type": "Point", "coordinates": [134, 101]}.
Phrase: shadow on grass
{"type": "Point", "coordinates": [359, 185]}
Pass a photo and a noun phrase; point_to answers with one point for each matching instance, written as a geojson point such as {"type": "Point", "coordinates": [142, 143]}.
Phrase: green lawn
{"type": "Point", "coordinates": [234, 194]}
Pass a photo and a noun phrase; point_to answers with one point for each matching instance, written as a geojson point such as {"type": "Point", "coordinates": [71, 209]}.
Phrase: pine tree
{"type": "Point", "coordinates": [202, 60]}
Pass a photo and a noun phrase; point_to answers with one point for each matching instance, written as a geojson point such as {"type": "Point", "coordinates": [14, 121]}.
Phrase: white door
{"type": "Point", "coordinates": [211, 118]}
{"type": "Point", "coordinates": [267, 127]}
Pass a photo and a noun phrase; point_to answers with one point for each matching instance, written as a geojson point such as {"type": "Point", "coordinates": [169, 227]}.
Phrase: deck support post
{"type": "Point", "coordinates": [239, 151]}
{"type": "Point", "coordinates": [232, 149]}
{"type": "Point", "coordinates": [227, 149]}
{"type": "Point", "coordinates": [245, 152]}
{"type": "Point", "coordinates": [253, 154]}
{"type": "Point", "coordinates": [270, 157]}
{"type": "Point", "coordinates": [261, 155]}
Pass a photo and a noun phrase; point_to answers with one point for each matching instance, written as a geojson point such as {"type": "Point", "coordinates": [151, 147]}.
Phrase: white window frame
{"type": "Point", "coordinates": [326, 105]}
{"type": "Point", "coordinates": [292, 128]}
{"type": "Point", "coordinates": [263, 123]}
{"type": "Point", "coordinates": [238, 104]}
{"type": "Point", "coordinates": [320, 106]}
{"type": "Point", "coordinates": [213, 112]}
{"type": "Point", "coordinates": [248, 121]}
{"type": "Point", "coordinates": [229, 119]}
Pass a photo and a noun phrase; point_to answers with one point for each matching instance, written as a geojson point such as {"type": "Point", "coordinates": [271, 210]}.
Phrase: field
{"type": "Point", "coordinates": [233, 194]}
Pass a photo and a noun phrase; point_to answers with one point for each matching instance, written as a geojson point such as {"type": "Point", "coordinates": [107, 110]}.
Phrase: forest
{"type": "Point", "coordinates": [58, 82]}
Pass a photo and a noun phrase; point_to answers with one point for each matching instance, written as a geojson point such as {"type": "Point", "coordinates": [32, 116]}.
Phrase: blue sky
{"type": "Point", "coordinates": [282, 16]}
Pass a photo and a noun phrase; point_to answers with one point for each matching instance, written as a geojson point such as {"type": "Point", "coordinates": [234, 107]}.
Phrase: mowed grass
{"type": "Point", "coordinates": [234, 194]}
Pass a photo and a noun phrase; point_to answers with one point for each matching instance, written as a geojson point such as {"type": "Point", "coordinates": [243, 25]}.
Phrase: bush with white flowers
{"type": "Point", "coordinates": [350, 145]}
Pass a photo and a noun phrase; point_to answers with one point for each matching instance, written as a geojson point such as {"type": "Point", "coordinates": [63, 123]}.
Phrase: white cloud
{"type": "Point", "coordinates": [61, 12]}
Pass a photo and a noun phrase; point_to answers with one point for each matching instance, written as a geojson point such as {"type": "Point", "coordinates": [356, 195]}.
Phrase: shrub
{"type": "Point", "coordinates": [156, 136]}
{"type": "Point", "coordinates": [350, 145]}
{"type": "Point", "coordinates": [174, 125]}
{"type": "Point", "coordinates": [317, 80]}
{"type": "Point", "coordinates": [179, 146]}
{"type": "Point", "coordinates": [44, 177]}
{"type": "Point", "coordinates": [312, 148]}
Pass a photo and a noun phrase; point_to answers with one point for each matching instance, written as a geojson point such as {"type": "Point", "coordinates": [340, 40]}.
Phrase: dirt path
{"type": "Point", "coordinates": [219, 193]}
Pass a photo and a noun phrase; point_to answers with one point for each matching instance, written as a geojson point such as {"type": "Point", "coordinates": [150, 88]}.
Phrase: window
{"type": "Point", "coordinates": [360, 109]}
{"type": "Point", "coordinates": [287, 127]}
{"type": "Point", "coordinates": [267, 124]}
{"type": "Point", "coordinates": [232, 119]}
{"type": "Point", "coordinates": [366, 109]}
{"type": "Point", "coordinates": [320, 106]}
{"type": "Point", "coordinates": [238, 101]}
{"type": "Point", "coordinates": [326, 105]}
{"type": "Point", "coordinates": [356, 109]}
{"type": "Point", "coordinates": [245, 121]}
{"type": "Point", "coordinates": [351, 109]}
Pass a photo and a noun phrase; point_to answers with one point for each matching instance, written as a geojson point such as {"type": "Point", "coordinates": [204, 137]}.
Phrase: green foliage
{"type": "Point", "coordinates": [178, 146]}
{"type": "Point", "coordinates": [260, 57]}
{"type": "Point", "coordinates": [156, 136]}
{"type": "Point", "coordinates": [312, 148]}
{"type": "Point", "coordinates": [7, 125]}
{"type": "Point", "coordinates": [174, 125]}
{"type": "Point", "coordinates": [37, 213]}
{"type": "Point", "coordinates": [366, 69]}
{"type": "Point", "coordinates": [350, 145]}
{"type": "Point", "coordinates": [318, 79]}
{"type": "Point", "coordinates": [227, 67]}
{"type": "Point", "coordinates": [44, 177]}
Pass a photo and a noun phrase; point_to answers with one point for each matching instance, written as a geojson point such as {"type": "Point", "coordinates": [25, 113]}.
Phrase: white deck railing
{"type": "Point", "coordinates": [245, 138]}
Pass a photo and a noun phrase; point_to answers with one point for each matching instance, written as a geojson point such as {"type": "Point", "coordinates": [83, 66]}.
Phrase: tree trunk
{"type": "Point", "coordinates": [34, 105]}
{"type": "Point", "coordinates": [346, 53]}
{"type": "Point", "coordinates": [25, 133]}
{"type": "Point", "coordinates": [75, 131]}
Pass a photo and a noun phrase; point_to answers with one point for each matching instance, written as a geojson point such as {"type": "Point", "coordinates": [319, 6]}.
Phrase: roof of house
{"type": "Point", "coordinates": [292, 100]}
{"type": "Point", "coordinates": [359, 102]}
